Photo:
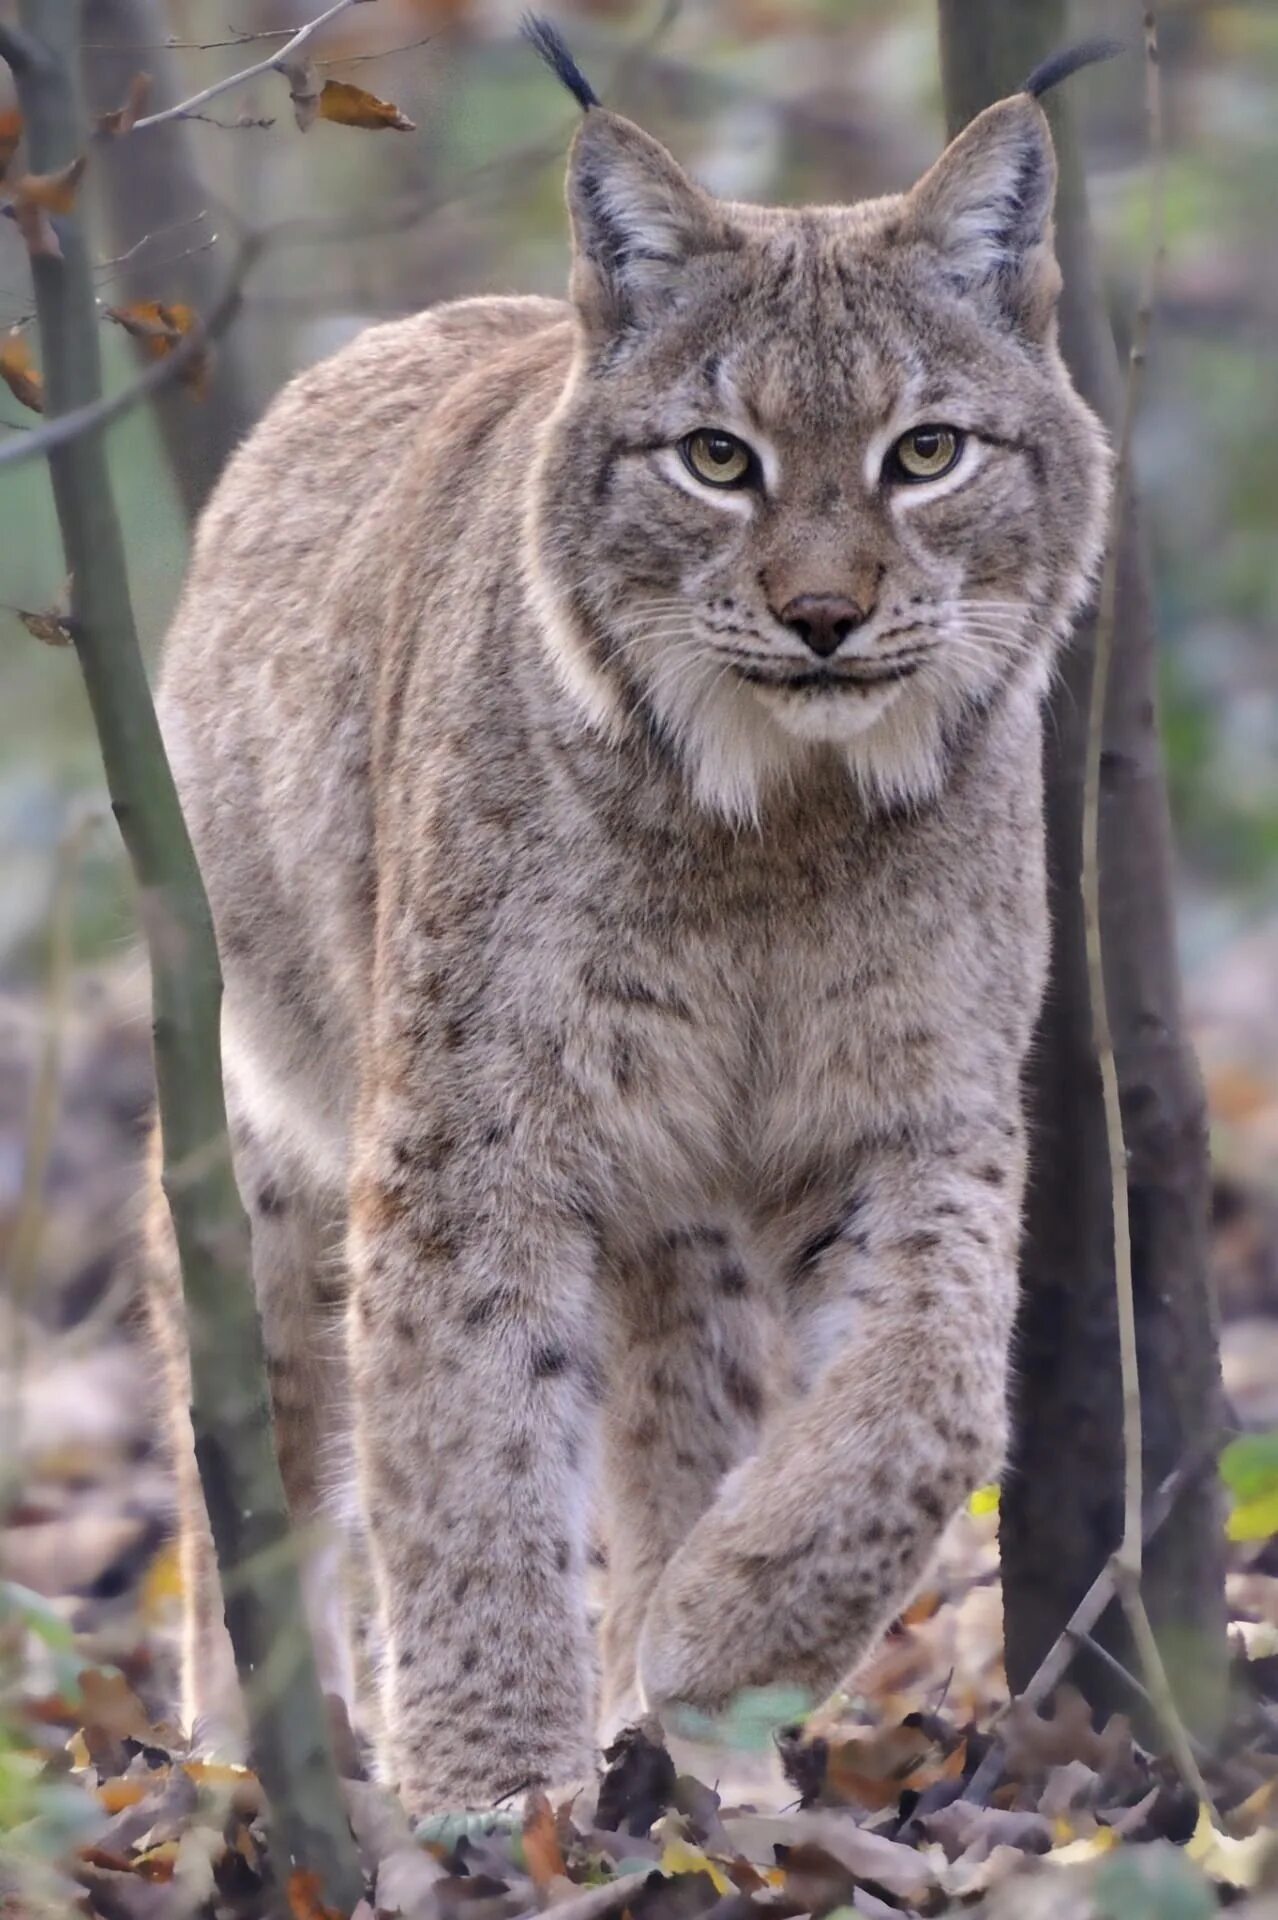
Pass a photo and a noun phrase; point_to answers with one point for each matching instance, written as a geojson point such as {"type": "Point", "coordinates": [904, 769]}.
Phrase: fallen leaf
{"type": "Point", "coordinates": [112, 1707]}
{"type": "Point", "coordinates": [123, 119]}
{"type": "Point", "coordinates": [115, 1795]}
{"type": "Point", "coordinates": [963, 1828]}
{"type": "Point", "coordinates": [1035, 1743]}
{"type": "Point", "coordinates": [680, 1856]}
{"type": "Point", "coordinates": [899, 1870]}
{"type": "Point", "coordinates": [406, 1881]}
{"type": "Point", "coordinates": [1151, 1883]}
{"type": "Point", "coordinates": [19, 372]}
{"type": "Point", "coordinates": [541, 1842]}
{"type": "Point", "coordinates": [873, 1769]}
{"type": "Point", "coordinates": [350, 106]}
{"type": "Point", "coordinates": [1232, 1863]}
{"type": "Point", "coordinates": [640, 1781]}
{"type": "Point", "coordinates": [305, 1897]}
{"type": "Point", "coordinates": [1079, 1852]}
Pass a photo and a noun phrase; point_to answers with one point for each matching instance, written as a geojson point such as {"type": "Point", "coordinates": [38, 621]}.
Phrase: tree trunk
{"type": "Point", "coordinates": [233, 1440]}
{"type": "Point", "coordinates": [1062, 1505]}
{"type": "Point", "coordinates": [150, 185]}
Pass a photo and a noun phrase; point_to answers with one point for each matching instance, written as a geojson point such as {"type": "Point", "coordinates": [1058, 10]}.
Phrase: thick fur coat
{"type": "Point", "coordinates": [629, 886]}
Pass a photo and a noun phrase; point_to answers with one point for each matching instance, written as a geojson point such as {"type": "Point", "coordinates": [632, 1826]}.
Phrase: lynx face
{"type": "Point", "coordinates": [818, 479]}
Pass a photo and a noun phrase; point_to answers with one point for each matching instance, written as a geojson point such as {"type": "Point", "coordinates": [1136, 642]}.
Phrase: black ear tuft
{"type": "Point", "coordinates": [1059, 66]}
{"type": "Point", "coordinates": [549, 43]}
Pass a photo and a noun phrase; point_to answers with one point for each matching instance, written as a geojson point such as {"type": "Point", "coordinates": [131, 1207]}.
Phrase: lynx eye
{"type": "Point", "coordinates": [717, 458]}
{"type": "Point", "coordinates": [924, 453]}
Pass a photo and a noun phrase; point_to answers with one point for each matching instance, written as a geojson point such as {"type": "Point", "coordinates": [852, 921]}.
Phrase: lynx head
{"type": "Point", "coordinates": [819, 482]}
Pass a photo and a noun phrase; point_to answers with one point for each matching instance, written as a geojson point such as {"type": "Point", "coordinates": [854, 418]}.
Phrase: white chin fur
{"type": "Point", "coordinates": [738, 740]}
{"type": "Point", "coordinates": [835, 717]}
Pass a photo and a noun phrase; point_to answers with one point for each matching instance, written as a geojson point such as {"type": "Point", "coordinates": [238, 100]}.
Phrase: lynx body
{"type": "Point", "coordinates": [627, 868]}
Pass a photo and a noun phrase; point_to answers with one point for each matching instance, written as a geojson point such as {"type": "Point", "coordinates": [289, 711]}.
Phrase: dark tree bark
{"type": "Point", "coordinates": [149, 184]}
{"type": "Point", "coordinates": [1062, 1505]}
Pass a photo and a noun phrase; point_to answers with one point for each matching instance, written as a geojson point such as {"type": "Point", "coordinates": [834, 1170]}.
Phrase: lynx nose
{"type": "Point", "coordinates": [822, 620]}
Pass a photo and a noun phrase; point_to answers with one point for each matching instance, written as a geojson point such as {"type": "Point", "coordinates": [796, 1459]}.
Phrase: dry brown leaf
{"type": "Point", "coordinates": [123, 119]}
{"type": "Point", "coordinates": [305, 1897]}
{"type": "Point", "coordinates": [53, 192]}
{"type": "Point", "coordinates": [921, 1608]}
{"type": "Point", "coordinates": [115, 1795]}
{"type": "Point", "coordinates": [157, 1863]}
{"type": "Point", "coordinates": [303, 90]}
{"type": "Point", "coordinates": [1035, 1743]}
{"type": "Point", "coordinates": [541, 1842]}
{"type": "Point", "coordinates": [19, 372]}
{"type": "Point", "coordinates": [873, 1769]}
{"type": "Point", "coordinates": [350, 106]}
{"type": "Point", "coordinates": [10, 134]}
{"type": "Point", "coordinates": [111, 1707]}
{"type": "Point", "coordinates": [160, 325]}
{"type": "Point", "coordinates": [972, 1833]}
{"type": "Point", "coordinates": [242, 1788]}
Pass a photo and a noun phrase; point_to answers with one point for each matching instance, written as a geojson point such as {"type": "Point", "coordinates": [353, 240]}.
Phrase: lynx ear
{"type": "Point", "coordinates": [637, 222]}
{"type": "Point", "coordinates": [986, 208]}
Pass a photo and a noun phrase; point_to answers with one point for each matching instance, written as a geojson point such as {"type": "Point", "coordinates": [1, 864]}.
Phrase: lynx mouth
{"type": "Point", "coordinates": [826, 679]}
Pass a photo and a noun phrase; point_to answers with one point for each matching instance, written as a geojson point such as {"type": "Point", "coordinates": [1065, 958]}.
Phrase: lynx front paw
{"type": "Point", "coordinates": [723, 1619]}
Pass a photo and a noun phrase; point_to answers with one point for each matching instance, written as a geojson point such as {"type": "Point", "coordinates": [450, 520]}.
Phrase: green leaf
{"type": "Point", "coordinates": [1254, 1519]}
{"type": "Point", "coordinates": [747, 1724]}
{"type": "Point", "coordinates": [1151, 1883]}
{"type": "Point", "coordinates": [446, 1829]}
{"type": "Point", "coordinates": [1249, 1466]}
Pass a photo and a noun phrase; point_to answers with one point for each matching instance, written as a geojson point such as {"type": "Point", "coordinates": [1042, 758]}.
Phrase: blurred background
{"type": "Point", "coordinates": [773, 99]}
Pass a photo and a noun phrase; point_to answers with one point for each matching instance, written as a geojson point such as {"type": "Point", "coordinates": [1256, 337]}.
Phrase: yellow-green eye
{"type": "Point", "coordinates": [720, 459]}
{"type": "Point", "coordinates": [924, 453]}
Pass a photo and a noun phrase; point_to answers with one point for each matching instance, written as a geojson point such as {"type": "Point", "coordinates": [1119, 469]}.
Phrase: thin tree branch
{"type": "Point", "coordinates": [246, 40]}
{"type": "Point", "coordinates": [1078, 1627]}
{"type": "Point", "coordinates": [229, 1404]}
{"type": "Point", "coordinates": [272, 64]}
{"type": "Point", "coordinates": [1127, 1562]}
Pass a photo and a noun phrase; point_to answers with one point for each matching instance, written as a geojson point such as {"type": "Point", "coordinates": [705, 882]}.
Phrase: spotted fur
{"type": "Point", "coordinates": [625, 1014]}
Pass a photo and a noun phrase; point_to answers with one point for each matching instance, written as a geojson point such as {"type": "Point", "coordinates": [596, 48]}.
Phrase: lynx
{"type": "Point", "coordinates": [611, 733]}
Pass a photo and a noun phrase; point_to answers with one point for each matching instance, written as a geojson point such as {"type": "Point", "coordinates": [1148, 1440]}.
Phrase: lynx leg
{"type": "Point", "coordinates": [809, 1550]}
{"type": "Point", "coordinates": [299, 1291]}
{"type": "Point", "coordinates": [693, 1373]}
{"type": "Point", "coordinates": [473, 1344]}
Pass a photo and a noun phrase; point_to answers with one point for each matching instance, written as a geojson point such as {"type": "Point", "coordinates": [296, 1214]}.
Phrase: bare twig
{"type": "Point", "coordinates": [272, 64]}
{"type": "Point", "coordinates": [242, 123]}
{"type": "Point", "coordinates": [247, 40]}
{"type": "Point", "coordinates": [156, 233]}
{"type": "Point", "coordinates": [1104, 1588]}
{"type": "Point", "coordinates": [1128, 1561]}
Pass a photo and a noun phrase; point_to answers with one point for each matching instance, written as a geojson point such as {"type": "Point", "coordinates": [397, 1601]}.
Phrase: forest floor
{"type": "Point", "coordinates": [866, 1808]}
